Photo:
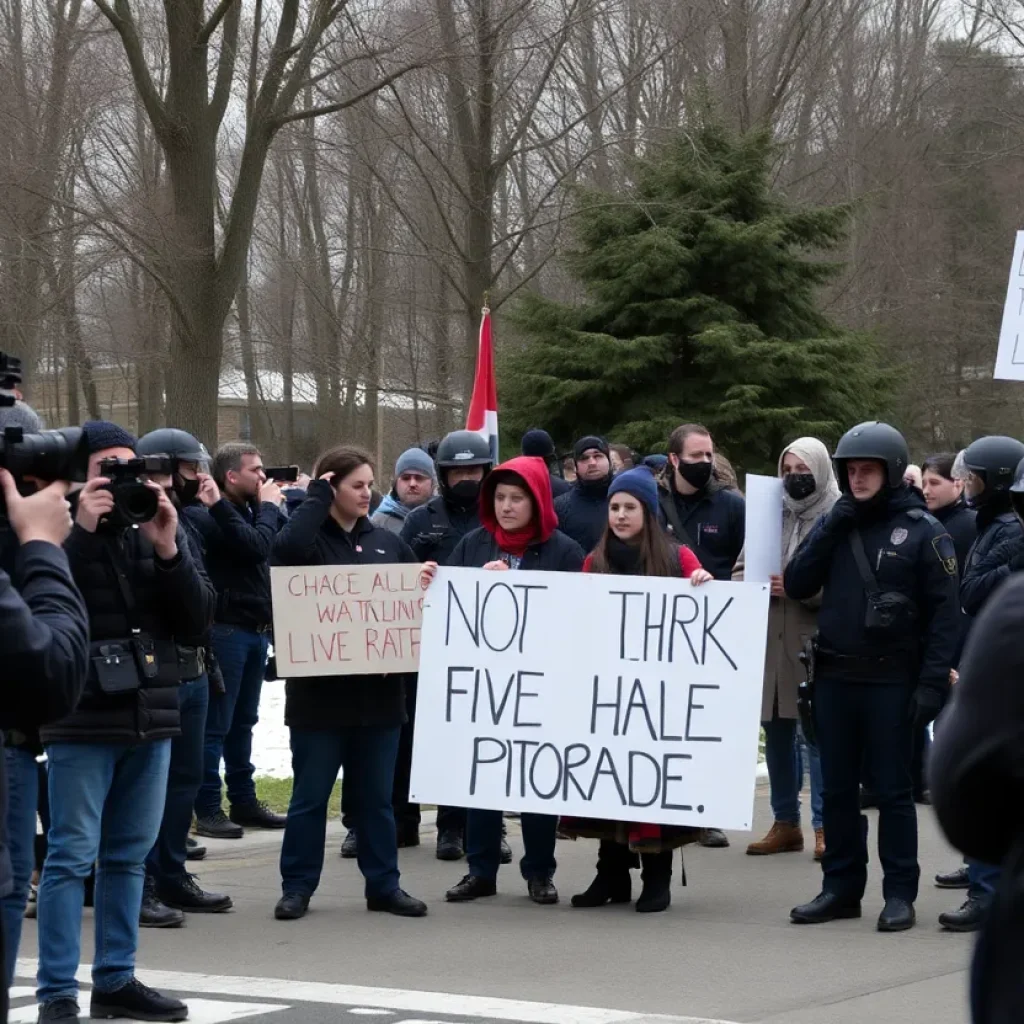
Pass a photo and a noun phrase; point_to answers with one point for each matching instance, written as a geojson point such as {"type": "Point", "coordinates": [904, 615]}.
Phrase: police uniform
{"type": "Point", "coordinates": [887, 636]}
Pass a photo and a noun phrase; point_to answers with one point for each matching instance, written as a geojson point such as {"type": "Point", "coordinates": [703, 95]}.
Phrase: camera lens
{"type": "Point", "coordinates": [48, 455]}
{"type": "Point", "coordinates": [135, 502]}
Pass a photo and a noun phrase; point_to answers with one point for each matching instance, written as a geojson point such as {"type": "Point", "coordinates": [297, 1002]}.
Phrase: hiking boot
{"type": "Point", "coordinates": [819, 843]}
{"type": "Point", "coordinates": [184, 893]}
{"type": "Point", "coordinates": [542, 890]}
{"type": "Point", "coordinates": [154, 913]}
{"type": "Point", "coordinates": [782, 837]}
{"type": "Point", "coordinates": [450, 845]}
{"type": "Point", "coordinates": [217, 826]}
{"type": "Point", "coordinates": [256, 815]}
{"type": "Point", "coordinates": [136, 1001]}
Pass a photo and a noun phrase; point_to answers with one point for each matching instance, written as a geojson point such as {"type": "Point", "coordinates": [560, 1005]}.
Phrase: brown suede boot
{"type": "Point", "coordinates": [819, 843]}
{"type": "Point", "coordinates": [782, 838]}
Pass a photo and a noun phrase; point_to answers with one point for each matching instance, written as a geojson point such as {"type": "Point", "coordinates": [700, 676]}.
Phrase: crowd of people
{"type": "Point", "coordinates": [885, 569]}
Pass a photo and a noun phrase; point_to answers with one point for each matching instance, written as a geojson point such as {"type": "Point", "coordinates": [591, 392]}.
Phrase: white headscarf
{"type": "Point", "coordinates": [798, 516]}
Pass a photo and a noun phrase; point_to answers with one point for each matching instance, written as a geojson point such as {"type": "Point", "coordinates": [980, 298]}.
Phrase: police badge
{"type": "Point", "coordinates": [899, 535]}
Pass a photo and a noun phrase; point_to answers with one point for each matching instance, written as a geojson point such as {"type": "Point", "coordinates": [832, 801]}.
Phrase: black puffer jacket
{"type": "Point", "coordinates": [583, 512]}
{"type": "Point", "coordinates": [433, 530]}
{"type": "Point", "coordinates": [558, 553]}
{"type": "Point", "coordinates": [312, 537]}
{"type": "Point", "coordinates": [171, 598]}
{"type": "Point", "coordinates": [988, 562]}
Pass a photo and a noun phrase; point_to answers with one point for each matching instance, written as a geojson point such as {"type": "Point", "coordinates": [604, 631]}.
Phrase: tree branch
{"type": "Point", "coordinates": [225, 68]}
{"type": "Point", "coordinates": [206, 32]}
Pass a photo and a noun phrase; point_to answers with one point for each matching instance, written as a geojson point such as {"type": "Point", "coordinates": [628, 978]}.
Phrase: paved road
{"type": "Point", "coordinates": [725, 952]}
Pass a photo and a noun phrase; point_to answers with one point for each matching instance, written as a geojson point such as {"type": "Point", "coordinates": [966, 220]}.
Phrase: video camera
{"type": "Point", "coordinates": [134, 501]}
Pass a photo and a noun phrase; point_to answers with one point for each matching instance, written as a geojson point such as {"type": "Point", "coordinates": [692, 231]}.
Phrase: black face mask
{"type": "Point", "coordinates": [696, 474]}
{"type": "Point", "coordinates": [465, 493]}
{"type": "Point", "coordinates": [799, 485]}
{"type": "Point", "coordinates": [187, 490]}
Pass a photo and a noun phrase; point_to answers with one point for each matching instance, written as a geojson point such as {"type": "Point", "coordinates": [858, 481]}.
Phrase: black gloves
{"type": "Point", "coordinates": [925, 706]}
{"type": "Point", "coordinates": [843, 514]}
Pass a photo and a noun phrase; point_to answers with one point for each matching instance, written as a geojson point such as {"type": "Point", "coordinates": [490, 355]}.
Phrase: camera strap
{"type": "Point", "coordinates": [121, 575]}
{"type": "Point", "coordinates": [860, 556]}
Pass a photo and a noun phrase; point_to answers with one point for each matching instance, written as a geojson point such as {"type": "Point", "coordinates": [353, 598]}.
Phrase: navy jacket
{"type": "Point", "coordinates": [713, 520]}
{"type": "Point", "coordinates": [559, 486]}
{"type": "Point", "coordinates": [583, 512]}
{"type": "Point", "coordinates": [988, 563]}
{"type": "Point", "coordinates": [433, 530]}
{"type": "Point", "coordinates": [959, 522]}
{"type": "Point", "coordinates": [44, 636]}
{"type": "Point", "coordinates": [558, 553]}
{"type": "Point", "coordinates": [237, 540]}
{"type": "Point", "coordinates": [312, 537]}
{"type": "Point", "coordinates": [910, 553]}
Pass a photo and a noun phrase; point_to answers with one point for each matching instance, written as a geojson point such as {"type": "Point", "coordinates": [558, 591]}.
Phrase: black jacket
{"type": "Point", "coordinates": [987, 563]}
{"type": "Point", "coordinates": [583, 512]}
{"type": "Point", "coordinates": [312, 537]}
{"type": "Point", "coordinates": [559, 486]}
{"type": "Point", "coordinates": [433, 530]}
{"type": "Point", "coordinates": [909, 553]}
{"type": "Point", "coordinates": [172, 599]}
{"type": "Point", "coordinates": [237, 541]}
{"type": "Point", "coordinates": [558, 553]}
{"type": "Point", "coordinates": [959, 522]}
{"type": "Point", "coordinates": [713, 523]}
{"type": "Point", "coordinates": [44, 637]}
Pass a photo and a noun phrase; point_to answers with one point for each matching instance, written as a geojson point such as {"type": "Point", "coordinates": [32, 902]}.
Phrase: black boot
{"type": "Point", "coordinates": [657, 875]}
{"type": "Point", "coordinates": [612, 884]}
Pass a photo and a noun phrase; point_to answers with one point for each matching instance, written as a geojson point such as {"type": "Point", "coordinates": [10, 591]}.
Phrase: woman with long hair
{"type": "Point", "coordinates": [633, 544]}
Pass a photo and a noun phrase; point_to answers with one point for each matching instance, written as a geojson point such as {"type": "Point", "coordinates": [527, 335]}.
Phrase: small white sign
{"type": "Point", "coordinates": [1010, 355]}
{"type": "Point", "coordinates": [763, 537]}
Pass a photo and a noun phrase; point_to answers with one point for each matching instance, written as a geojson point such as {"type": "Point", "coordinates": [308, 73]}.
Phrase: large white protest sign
{"type": "Point", "coordinates": [762, 556]}
{"type": "Point", "coordinates": [1010, 355]}
{"type": "Point", "coordinates": [344, 620]}
{"type": "Point", "coordinates": [620, 697]}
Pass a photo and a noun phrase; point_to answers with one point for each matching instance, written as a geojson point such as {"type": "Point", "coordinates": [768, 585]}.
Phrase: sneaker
{"type": "Point", "coordinates": [291, 906]}
{"type": "Point", "coordinates": [542, 890]}
{"type": "Point", "coordinates": [969, 918]}
{"type": "Point", "coordinates": [194, 850]}
{"type": "Point", "coordinates": [185, 894]}
{"type": "Point", "coordinates": [257, 815]}
{"type": "Point", "coordinates": [31, 905]}
{"type": "Point", "coordinates": [136, 1001]}
{"type": "Point", "coordinates": [471, 888]}
{"type": "Point", "coordinates": [714, 839]}
{"type": "Point", "coordinates": [217, 826]}
{"type": "Point", "coordinates": [349, 849]}
{"type": "Point", "coordinates": [59, 1011]}
{"type": "Point", "coordinates": [399, 903]}
{"type": "Point", "coordinates": [154, 913]}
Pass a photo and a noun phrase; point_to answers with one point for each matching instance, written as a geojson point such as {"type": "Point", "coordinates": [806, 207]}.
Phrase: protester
{"type": "Point", "coordinates": [655, 463]}
{"type": "Point", "coordinates": [888, 629]}
{"type": "Point", "coordinates": [809, 492]}
{"type": "Point", "coordinates": [433, 531]}
{"type": "Point", "coordinates": [622, 457]}
{"type": "Point", "coordinates": [518, 532]}
{"type": "Point", "coordinates": [238, 514]}
{"type": "Point", "coordinates": [169, 888]}
{"type": "Point", "coordinates": [538, 444]}
{"type": "Point", "coordinates": [108, 760]}
{"type": "Point", "coordinates": [702, 515]}
{"type": "Point", "coordinates": [996, 553]}
{"type": "Point", "coordinates": [415, 479]}
{"type": "Point", "coordinates": [633, 544]}
{"type": "Point", "coordinates": [583, 511]}
{"type": "Point", "coordinates": [352, 724]}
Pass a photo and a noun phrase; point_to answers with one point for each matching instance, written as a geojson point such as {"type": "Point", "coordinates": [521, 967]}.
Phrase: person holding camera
{"type": "Point", "coordinates": [238, 513]}
{"type": "Point", "coordinates": [888, 632]}
{"type": "Point", "coordinates": [108, 760]}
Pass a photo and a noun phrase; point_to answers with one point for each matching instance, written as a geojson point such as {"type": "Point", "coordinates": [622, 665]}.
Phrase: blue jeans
{"type": "Point", "coordinates": [106, 802]}
{"type": "Point", "coordinates": [783, 740]}
{"type": "Point", "coordinates": [483, 844]}
{"type": "Point", "coordinates": [368, 757]}
{"type": "Point", "coordinates": [242, 655]}
{"type": "Point", "coordinates": [22, 802]}
{"type": "Point", "coordinates": [984, 879]}
{"type": "Point", "coordinates": [166, 861]}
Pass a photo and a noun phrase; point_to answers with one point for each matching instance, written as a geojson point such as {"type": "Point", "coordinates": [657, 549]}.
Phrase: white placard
{"type": "Point", "coordinates": [346, 620]}
{"type": "Point", "coordinates": [1010, 355]}
{"type": "Point", "coordinates": [763, 538]}
{"type": "Point", "coordinates": [619, 697]}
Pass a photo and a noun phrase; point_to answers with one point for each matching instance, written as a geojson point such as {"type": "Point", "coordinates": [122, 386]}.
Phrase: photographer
{"type": "Point", "coordinates": [108, 760]}
{"type": "Point", "coordinates": [238, 514]}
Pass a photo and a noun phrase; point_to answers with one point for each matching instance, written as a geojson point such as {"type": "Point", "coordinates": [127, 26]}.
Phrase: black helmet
{"type": "Point", "coordinates": [463, 448]}
{"type": "Point", "coordinates": [873, 440]}
{"type": "Point", "coordinates": [995, 459]}
{"type": "Point", "coordinates": [174, 443]}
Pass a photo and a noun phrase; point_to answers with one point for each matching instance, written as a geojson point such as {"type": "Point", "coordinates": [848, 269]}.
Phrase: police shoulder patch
{"type": "Point", "coordinates": [946, 552]}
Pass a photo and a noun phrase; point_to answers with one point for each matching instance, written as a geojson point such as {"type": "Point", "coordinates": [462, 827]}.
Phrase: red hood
{"type": "Point", "coordinates": [533, 474]}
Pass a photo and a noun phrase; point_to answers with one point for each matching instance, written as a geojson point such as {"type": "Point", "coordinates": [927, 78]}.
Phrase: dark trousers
{"type": "Point", "coordinates": [166, 861]}
{"type": "Point", "coordinates": [483, 844]}
{"type": "Point", "coordinates": [242, 656]}
{"type": "Point", "coordinates": [919, 760]}
{"type": "Point", "coordinates": [368, 758]}
{"type": "Point", "coordinates": [22, 801]}
{"type": "Point", "coordinates": [867, 725]}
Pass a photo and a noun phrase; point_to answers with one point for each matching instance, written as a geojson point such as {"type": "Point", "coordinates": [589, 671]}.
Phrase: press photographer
{"type": "Point", "coordinates": [108, 760]}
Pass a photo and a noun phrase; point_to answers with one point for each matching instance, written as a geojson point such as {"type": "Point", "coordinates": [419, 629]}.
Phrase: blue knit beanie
{"type": "Point", "coordinates": [538, 443]}
{"type": "Point", "coordinates": [102, 434]}
{"type": "Point", "coordinates": [640, 484]}
{"type": "Point", "coordinates": [415, 460]}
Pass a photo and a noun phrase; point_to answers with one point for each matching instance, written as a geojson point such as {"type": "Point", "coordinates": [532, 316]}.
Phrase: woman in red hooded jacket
{"type": "Point", "coordinates": [519, 532]}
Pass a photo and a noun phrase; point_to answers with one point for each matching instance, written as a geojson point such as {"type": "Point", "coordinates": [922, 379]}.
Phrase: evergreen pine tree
{"type": "Point", "coordinates": [702, 289]}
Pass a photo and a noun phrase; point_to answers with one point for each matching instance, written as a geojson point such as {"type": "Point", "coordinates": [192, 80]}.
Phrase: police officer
{"type": "Point", "coordinates": [887, 635]}
{"type": "Point", "coordinates": [433, 530]}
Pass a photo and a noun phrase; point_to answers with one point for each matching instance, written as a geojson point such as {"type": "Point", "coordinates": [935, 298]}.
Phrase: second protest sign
{"type": "Point", "coordinates": [620, 697]}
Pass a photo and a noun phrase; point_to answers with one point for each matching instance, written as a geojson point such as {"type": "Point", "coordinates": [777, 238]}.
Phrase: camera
{"type": "Point", "coordinates": [134, 501]}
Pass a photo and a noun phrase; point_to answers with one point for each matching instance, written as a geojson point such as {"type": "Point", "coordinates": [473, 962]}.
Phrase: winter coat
{"type": "Point", "coordinates": [172, 599]}
{"type": "Point", "coordinates": [583, 512]}
{"type": "Point", "coordinates": [712, 523]}
{"type": "Point", "coordinates": [1000, 535]}
{"type": "Point", "coordinates": [559, 485]}
{"type": "Point", "coordinates": [313, 537]}
{"type": "Point", "coordinates": [390, 515]}
{"type": "Point", "coordinates": [433, 530]}
{"type": "Point", "coordinates": [790, 622]}
{"type": "Point", "coordinates": [960, 523]}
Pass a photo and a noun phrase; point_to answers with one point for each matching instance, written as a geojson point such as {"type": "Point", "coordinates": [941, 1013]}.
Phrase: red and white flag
{"type": "Point", "coordinates": [483, 407]}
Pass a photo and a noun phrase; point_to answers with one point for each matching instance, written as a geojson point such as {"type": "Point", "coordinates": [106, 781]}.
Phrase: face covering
{"type": "Point", "coordinates": [799, 485]}
{"type": "Point", "coordinates": [187, 490]}
{"type": "Point", "coordinates": [696, 474]}
{"type": "Point", "coordinates": [465, 493]}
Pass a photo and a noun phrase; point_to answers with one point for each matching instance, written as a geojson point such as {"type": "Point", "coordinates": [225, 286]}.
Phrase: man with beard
{"type": "Point", "coordinates": [413, 487]}
{"type": "Point", "coordinates": [583, 511]}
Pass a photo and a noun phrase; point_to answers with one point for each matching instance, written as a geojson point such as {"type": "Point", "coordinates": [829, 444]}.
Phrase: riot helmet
{"type": "Point", "coordinates": [462, 449]}
{"type": "Point", "coordinates": [876, 441]}
{"type": "Point", "coordinates": [995, 461]}
{"type": "Point", "coordinates": [179, 446]}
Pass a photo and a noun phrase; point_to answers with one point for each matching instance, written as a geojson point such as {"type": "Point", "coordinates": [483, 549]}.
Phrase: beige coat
{"type": "Point", "coordinates": [791, 622]}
